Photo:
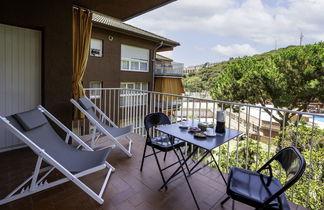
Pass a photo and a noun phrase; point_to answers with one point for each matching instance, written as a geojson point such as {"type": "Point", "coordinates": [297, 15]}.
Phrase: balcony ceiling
{"type": "Point", "coordinates": [122, 9]}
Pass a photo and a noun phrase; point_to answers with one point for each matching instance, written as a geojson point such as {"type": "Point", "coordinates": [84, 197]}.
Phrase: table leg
{"type": "Point", "coordinates": [218, 167]}
{"type": "Point", "coordinates": [185, 161]}
{"type": "Point", "coordinates": [196, 164]}
{"type": "Point", "coordinates": [184, 173]}
{"type": "Point", "coordinates": [199, 161]}
{"type": "Point", "coordinates": [175, 173]}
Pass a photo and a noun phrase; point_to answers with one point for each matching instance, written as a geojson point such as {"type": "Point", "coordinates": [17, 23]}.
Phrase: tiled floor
{"type": "Point", "coordinates": [128, 188]}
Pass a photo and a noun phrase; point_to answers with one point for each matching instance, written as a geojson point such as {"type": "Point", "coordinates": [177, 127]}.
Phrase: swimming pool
{"type": "Point", "coordinates": [320, 119]}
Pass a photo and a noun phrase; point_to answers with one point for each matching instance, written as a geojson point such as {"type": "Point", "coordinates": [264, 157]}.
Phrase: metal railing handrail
{"type": "Point", "coordinates": [212, 100]}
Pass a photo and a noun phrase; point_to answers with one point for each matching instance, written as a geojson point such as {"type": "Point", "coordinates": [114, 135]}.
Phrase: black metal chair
{"type": "Point", "coordinates": [265, 191]}
{"type": "Point", "coordinates": [163, 143]}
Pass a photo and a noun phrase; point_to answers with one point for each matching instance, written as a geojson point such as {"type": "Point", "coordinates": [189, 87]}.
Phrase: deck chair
{"type": "Point", "coordinates": [34, 129]}
{"type": "Point", "coordinates": [101, 128]}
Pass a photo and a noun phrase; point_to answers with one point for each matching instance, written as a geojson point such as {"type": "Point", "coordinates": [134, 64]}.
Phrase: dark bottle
{"type": "Point", "coordinates": [220, 126]}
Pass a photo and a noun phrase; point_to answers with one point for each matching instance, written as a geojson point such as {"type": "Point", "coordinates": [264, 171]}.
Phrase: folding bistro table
{"type": "Point", "coordinates": [208, 144]}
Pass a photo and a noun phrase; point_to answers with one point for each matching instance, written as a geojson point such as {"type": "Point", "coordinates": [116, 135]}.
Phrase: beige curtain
{"type": "Point", "coordinates": [169, 85]}
{"type": "Point", "coordinates": [81, 32]}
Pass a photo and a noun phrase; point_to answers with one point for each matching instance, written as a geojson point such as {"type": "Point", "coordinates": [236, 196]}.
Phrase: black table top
{"type": "Point", "coordinates": [207, 143]}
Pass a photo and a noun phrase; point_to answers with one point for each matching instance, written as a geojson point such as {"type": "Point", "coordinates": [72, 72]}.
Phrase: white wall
{"type": "Point", "coordinates": [20, 75]}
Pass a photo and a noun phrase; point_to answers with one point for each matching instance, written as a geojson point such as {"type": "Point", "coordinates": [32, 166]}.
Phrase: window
{"type": "Point", "coordinates": [143, 66]}
{"type": "Point", "coordinates": [134, 58]}
{"type": "Point", "coordinates": [96, 47]}
{"type": "Point", "coordinates": [134, 65]}
{"type": "Point", "coordinates": [128, 98]}
{"type": "Point", "coordinates": [124, 64]}
{"type": "Point", "coordinates": [95, 93]}
{"type": "Point", "coordinates": [134, 85]}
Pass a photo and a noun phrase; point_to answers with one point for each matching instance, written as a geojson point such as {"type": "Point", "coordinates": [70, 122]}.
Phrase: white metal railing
{"type": "Point", "coordinates": [204, 94]}
{"type": "Point", "coordinates": [263, 134]}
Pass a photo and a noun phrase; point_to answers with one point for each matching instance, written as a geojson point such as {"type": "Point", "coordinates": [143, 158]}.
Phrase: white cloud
{"type": "Point", "coordinates": [251, 19]}
{"type": "Point", "coordinates": [181, 14]}
{"type": "Point", "coordinates": [234, 50]}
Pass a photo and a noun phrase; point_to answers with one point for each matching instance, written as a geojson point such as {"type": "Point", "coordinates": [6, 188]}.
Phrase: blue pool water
{"type": "Point", "coordinates": [320, 119]}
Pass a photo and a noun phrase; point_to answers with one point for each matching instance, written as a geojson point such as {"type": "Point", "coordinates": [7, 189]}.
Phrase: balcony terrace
{"type": "Point", "coordinates": [129, 188]}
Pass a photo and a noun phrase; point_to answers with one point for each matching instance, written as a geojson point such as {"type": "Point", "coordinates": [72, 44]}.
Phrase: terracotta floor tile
{"type": "Point", "coordinates": [125, 205]}
{"type": "Point", "coordinates": [128, 188]}
{"type": "Point", "coordinates": [122, 196]}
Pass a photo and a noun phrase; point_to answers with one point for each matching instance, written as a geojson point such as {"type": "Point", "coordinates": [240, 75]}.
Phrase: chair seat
{"type": "Point", "coordinates": [248, 187]}
{"type": "Point", "coordinates": [69, 157]}
{"type": "Point", "coordinates": [117, 132]}
{"type": "Point", "coordinates": [163, 143]}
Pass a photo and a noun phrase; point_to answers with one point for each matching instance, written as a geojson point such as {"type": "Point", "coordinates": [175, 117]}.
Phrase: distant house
{"type": "Point", "coordinates": [197, 67]}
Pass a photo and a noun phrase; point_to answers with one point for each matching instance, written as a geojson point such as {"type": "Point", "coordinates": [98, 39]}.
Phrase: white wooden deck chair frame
{"type": "Point", "coordinates": [39, 183]}
{"type": "Point", "coordinates": [97, 127]}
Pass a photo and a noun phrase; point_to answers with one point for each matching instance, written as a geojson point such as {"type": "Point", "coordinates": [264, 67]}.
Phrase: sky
{"type": "Point", "coordinates": [215, 30]}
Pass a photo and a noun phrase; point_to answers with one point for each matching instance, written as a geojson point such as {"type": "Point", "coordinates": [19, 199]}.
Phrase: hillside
{"type": "Point", "coordinates": [203, 79]}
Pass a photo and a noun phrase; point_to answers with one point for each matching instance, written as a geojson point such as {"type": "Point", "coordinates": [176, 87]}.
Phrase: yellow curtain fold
{"type": "Point", "coordinates": [81, 32]}
{"type": "Point", "coordinates": [169, 85]}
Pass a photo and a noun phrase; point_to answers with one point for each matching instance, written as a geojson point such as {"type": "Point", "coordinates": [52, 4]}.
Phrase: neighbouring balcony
{"type": "Point", "coordinates": [174, 69]}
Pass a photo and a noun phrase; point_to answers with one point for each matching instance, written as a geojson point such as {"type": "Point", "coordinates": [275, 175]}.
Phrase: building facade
{"type": "Point", "coordinates": [36, 40]}
{"type": "Point", "coordinates": [122, 55]}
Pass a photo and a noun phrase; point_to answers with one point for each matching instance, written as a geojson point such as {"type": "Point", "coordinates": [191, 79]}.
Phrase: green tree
{"type": "Point", "coordinates": [193, 84]}
{"type": "Point", "coordinates": [206, 75]}
{"type": "Point", "coordinates": [289, 79]}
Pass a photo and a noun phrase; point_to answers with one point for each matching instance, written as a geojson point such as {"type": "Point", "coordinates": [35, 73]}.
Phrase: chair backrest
{"type": "Point", "coordinates": [91, 109]}
{"type": "Point", "coordinates": [85, 103]}
{"type": "Point", "coordinates": [155, 119]}
{"type": "Point", "coordinates": [293, 163]}
{"type": "Point", "coordinates": [88, 107]}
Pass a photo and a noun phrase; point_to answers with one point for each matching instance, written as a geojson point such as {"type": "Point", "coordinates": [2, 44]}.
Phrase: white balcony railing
{"type": "Point", "coordinates": [266, 129]}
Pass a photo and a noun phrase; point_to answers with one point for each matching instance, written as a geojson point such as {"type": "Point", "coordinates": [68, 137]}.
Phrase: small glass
{"type": "Point", "coordinates": [193, 122]}
{"type": "Point", "coordinates": [184, 123]}
{"type": "Point", "coordinates": [158, 138]}
{"type": "Point", "coordinates": [210, 131]}
{"type": "Point", "coordinates": [164, 138]}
